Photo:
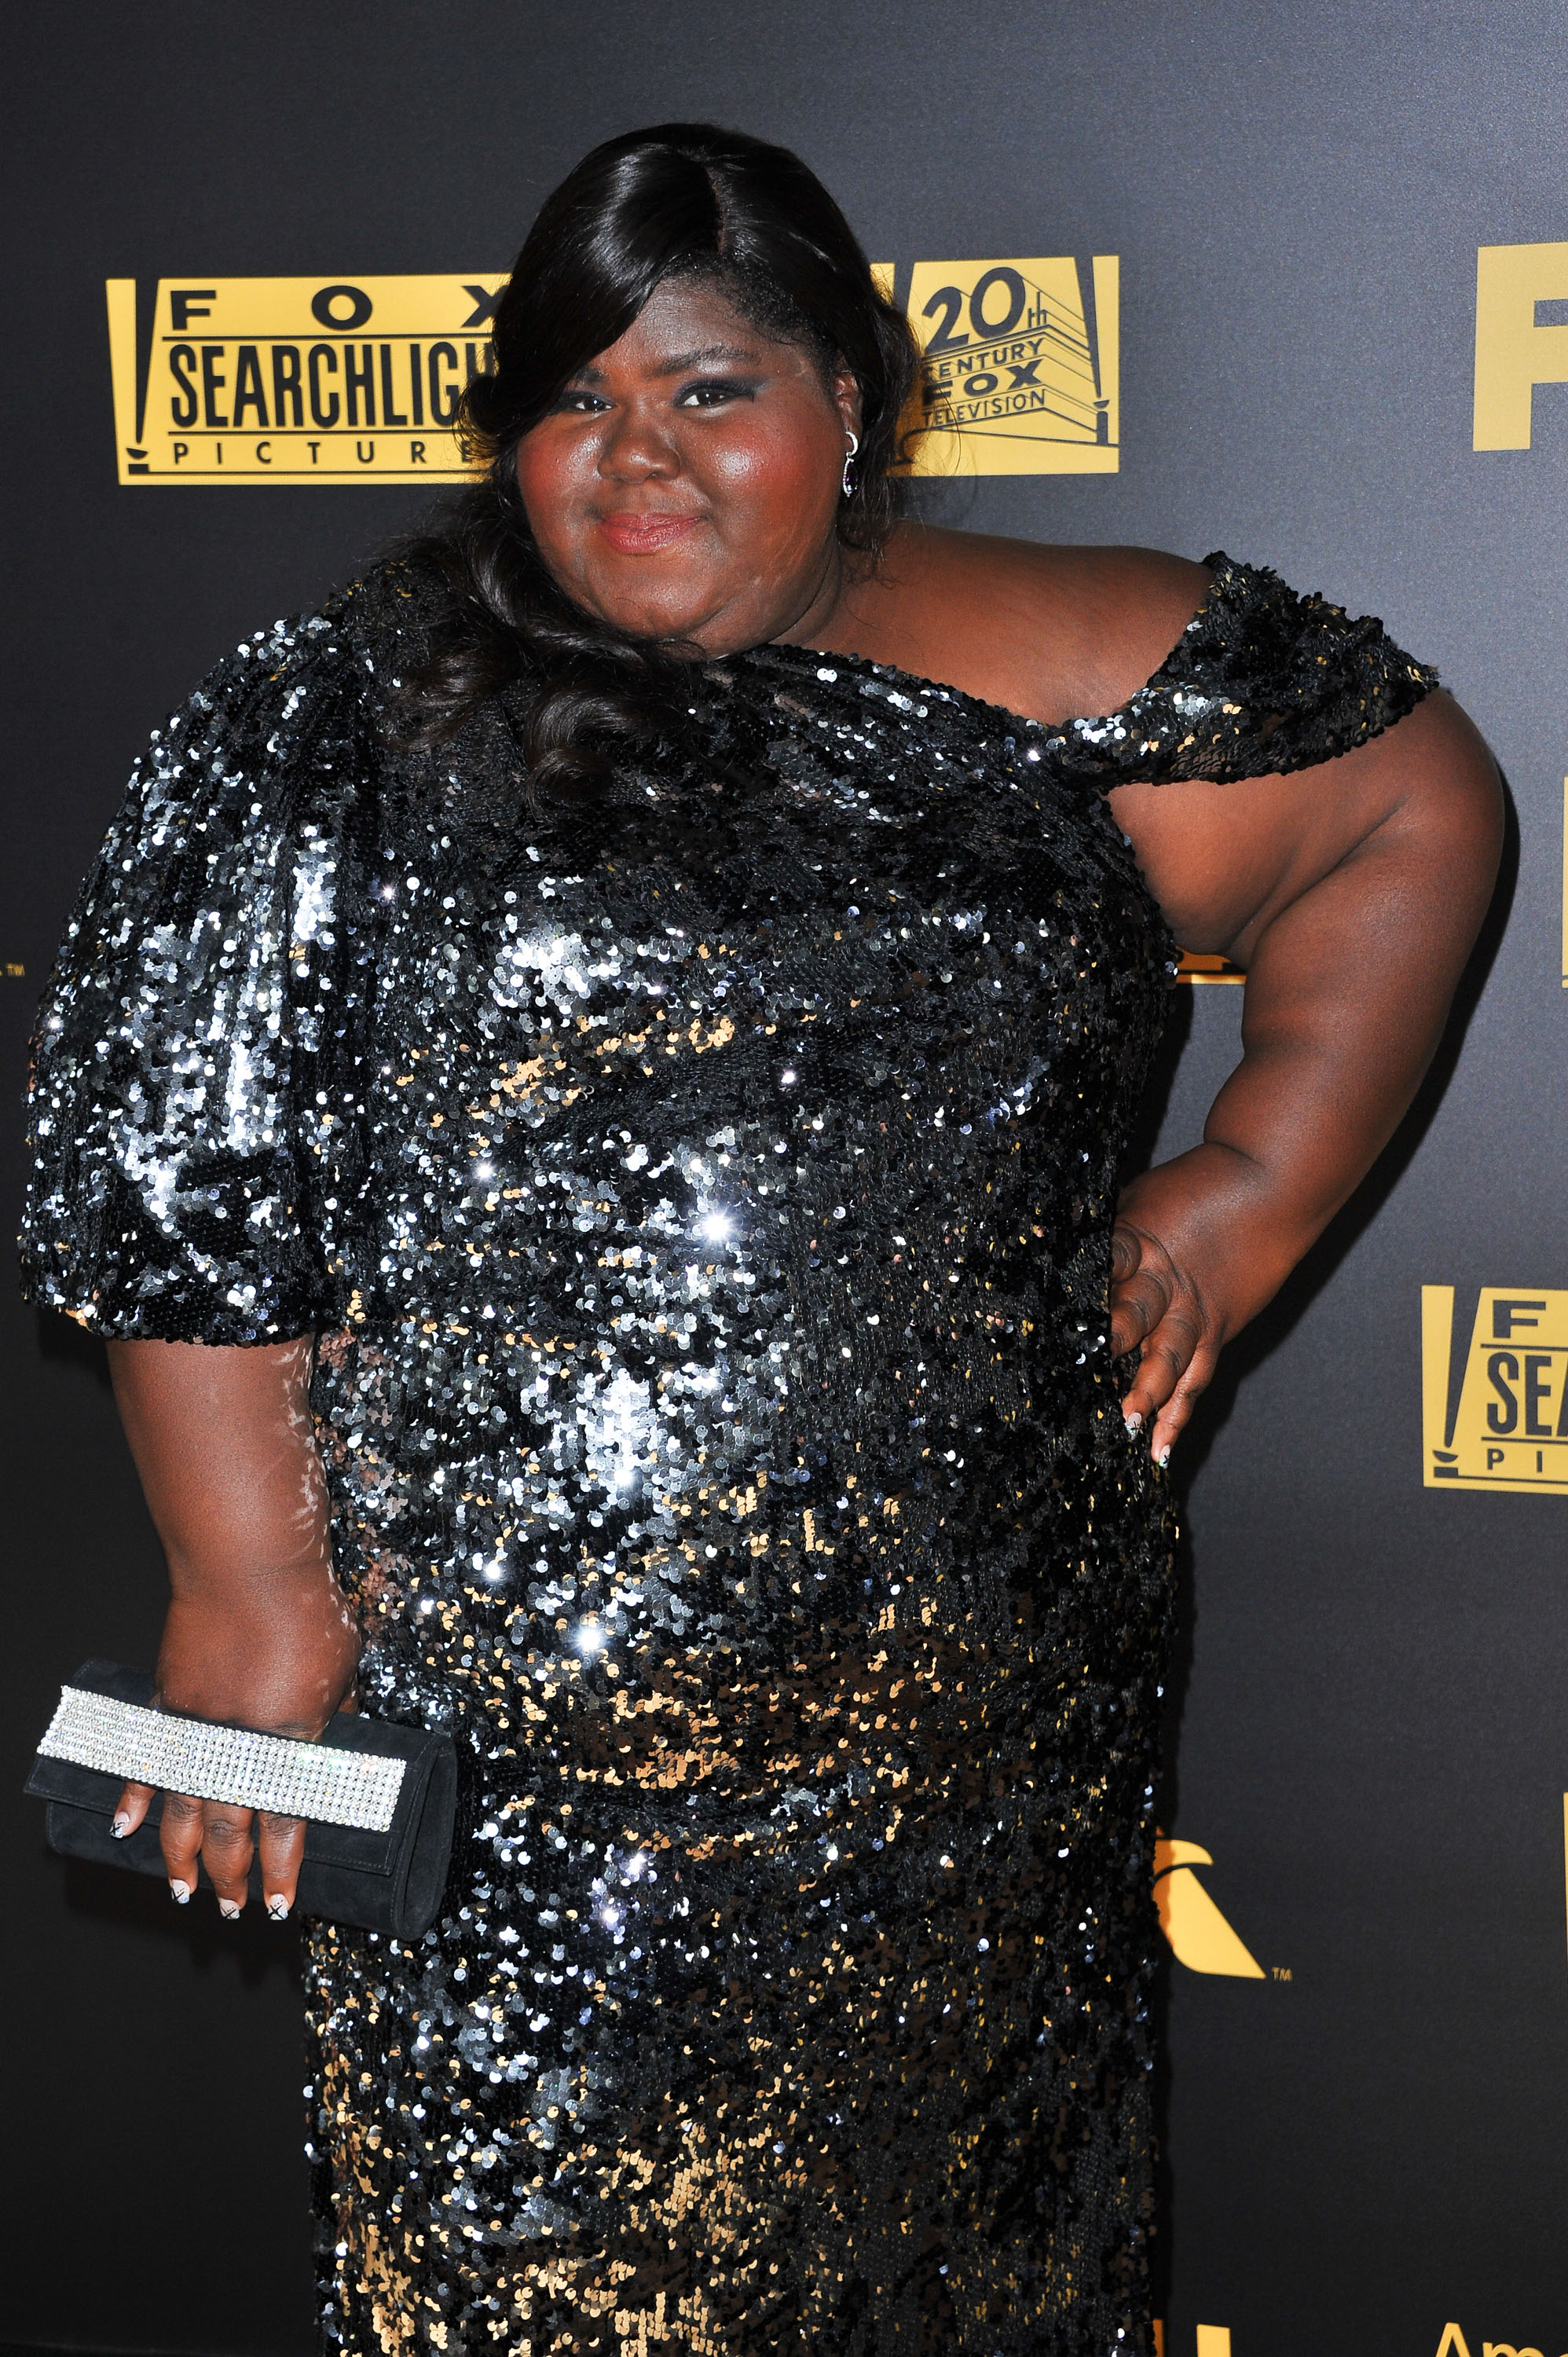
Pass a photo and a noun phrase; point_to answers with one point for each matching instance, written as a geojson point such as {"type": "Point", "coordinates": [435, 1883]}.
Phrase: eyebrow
{"type": "Point", "coordinates": [678, 362]}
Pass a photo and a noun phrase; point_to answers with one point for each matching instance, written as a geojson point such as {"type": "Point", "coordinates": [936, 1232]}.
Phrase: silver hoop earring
{"type": "Point", "coordinates": [849, 467]}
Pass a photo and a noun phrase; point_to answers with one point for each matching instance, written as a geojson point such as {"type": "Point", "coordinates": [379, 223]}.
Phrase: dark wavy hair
{"type": "Point", "coordinates": [682, 199]}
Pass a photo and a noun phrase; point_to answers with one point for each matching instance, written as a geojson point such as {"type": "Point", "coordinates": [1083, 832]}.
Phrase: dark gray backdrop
{"type": "Point", "coordinates": [1368, 1726]}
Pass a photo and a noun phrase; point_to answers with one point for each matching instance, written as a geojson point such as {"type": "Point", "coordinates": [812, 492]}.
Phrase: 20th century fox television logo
{"type": "Point", "coordinates": [338, 379]}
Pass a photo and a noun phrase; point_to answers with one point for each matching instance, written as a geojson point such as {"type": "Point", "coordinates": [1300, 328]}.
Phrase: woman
{"type": "Point", "coordinates": [587, 1091]}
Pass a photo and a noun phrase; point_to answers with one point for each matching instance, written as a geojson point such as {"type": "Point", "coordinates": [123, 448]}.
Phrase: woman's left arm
{"type": "Point", "coordinates": [1352, 894]}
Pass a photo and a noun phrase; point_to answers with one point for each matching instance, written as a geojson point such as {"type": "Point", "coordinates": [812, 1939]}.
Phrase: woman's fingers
{"type": "Point", "coordinates": [1173, 1361]}
{"type": "Point", "coordinates": [1137, 1308]}
{"type": "Point", "coordinates": [131, 1808]}
{"type": "Point", "coordinates": [180, 1837]}
{"type": "Point", "coordinates": [1166, 1355]}
{"type": "Point", "coordinates": [211, 1833]}
{"type": "Point", "coordinates": [1131, 1308]}
{"type": "Point", "coordinates": [227, 1850]}
{"type": "Point", "coordinates": [1142, 1286]}
{"type": "Point", "coordinates": [1156, 1312]}
{"type": "Point", "coordinates": [281, 1842]}
{"type": "Point", "coordinates": [1126, 1251]}
{"type": "Point", "coordinates": [1194, 1380]}
{"type": "Point", "coordinates": [206, 1833]}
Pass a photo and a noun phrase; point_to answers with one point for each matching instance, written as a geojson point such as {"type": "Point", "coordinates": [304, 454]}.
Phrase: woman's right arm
{"type": "Point", "coordinates": [259, 1634]}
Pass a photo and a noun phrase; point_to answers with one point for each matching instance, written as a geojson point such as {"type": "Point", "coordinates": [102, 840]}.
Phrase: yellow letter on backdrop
{"type": "Point", "coordinates": [1512, 354]}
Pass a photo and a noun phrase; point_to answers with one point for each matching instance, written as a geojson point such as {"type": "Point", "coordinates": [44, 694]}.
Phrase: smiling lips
{"type": "Point", "coordinates": [641, 534]}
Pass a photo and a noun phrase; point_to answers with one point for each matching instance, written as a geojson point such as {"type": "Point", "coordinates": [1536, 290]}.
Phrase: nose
{"type": "Point", "coordinates": [636, 446]}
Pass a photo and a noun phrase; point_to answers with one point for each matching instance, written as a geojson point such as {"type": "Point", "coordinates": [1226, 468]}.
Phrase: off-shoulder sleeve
{"type": "Point", "coordinates": [1261, 681]}
{"type": "Point", "coordinates": [194, 1111]}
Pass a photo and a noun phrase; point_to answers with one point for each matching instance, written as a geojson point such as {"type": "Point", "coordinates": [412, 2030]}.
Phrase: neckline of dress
{"type": "Point", "coordinates": [1221, 568]}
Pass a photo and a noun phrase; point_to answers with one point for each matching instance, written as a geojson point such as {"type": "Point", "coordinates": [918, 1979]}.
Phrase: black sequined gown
{"type": "Point", "coordinates": [704, 1199]}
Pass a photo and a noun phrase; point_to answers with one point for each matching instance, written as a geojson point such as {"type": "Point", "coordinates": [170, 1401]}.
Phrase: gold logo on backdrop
{"type": "Point", "coordinates": [1199, 1936]}
{"type": "Point", "coordinates": [1507, 1429]}
{"type": "Point", "coordinates": [1213, 2339]}
{"type": "Point", "coordinates": [296, 380]}
{"type": "Point", "coordinates": [1019, 371]}
{"type": "Point", "coordinates": [1200, 965]}
{"type": "Point", "coordinates": [1453, 2344]}
{"type": "Point", "coordinates": [1516, 348]}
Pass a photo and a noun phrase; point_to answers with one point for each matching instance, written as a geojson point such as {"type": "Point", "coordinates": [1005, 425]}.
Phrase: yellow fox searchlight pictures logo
{"type": "Point", "coordinates": [353, 379]}
{"type": "Point", "coordinates": [296, 380]}
{"type": "Point", "coordinates": [1508, 1427]}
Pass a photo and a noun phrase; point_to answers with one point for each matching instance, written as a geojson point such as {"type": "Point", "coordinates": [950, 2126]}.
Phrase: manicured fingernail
{"type": "Point", "coordinates": [1163, 1456]}
{"type": "Point", "coordinates": [120, 1826]}
{"type": "Point", "coordinates": [180, 1893]}
{"type": "Point", "coordinates": [229, 1910]}
{"type": "Point", "coordinates": [1135, 1421]}
{"type": "Point", "coordinates": [277, 1908]}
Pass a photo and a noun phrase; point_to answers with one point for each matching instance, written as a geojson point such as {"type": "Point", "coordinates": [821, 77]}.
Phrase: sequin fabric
{"type": "Point", "coordinates": [704, 1197]}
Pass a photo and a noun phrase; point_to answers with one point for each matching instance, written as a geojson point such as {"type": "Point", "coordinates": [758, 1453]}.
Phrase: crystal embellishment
{"type": "Point", "coordinates": [274, 1772]}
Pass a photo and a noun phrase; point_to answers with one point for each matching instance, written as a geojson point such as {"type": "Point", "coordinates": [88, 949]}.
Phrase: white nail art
{"type": "Point", "coordinates": [1134, 1422]}
{"type": "Point", "coordinates": [1163, 1457]}
{"type": "Point", "coordinates": [120, 1826]}
{"type": "Point", "coordinates": [229, 1909]}
{"type": "Point", "coordinates": [180, 1893]}
{"type": "Point", "coordinates": [277, 1908]}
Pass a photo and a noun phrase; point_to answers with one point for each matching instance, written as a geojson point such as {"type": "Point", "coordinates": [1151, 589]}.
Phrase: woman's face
{"type": "Point", "coordinates": [686, 484]}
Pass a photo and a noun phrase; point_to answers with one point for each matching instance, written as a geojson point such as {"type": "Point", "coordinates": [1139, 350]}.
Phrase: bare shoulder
{"type": "Point", "coordinates": [1050, 632]}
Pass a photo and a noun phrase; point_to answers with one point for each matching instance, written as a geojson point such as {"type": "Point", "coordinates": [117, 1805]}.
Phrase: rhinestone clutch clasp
{"type": "Point", "coordinates": [275, 1772]}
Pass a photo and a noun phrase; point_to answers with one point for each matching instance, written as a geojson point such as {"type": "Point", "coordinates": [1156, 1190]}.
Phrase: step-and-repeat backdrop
{"type": "Point", "coordinates": [1292, 281]}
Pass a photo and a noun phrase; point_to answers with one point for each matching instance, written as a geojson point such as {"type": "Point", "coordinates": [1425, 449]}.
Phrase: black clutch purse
{"type": "Point", "coordinates": [379, 1800]}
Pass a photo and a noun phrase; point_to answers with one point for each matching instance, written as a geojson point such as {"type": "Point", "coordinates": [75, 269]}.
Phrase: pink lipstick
{"type": "Point", "coordinates": [636, 534]}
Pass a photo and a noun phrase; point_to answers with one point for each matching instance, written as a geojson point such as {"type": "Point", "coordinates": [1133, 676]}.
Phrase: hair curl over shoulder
{"type": "Point", "coordinates": [682, 199]}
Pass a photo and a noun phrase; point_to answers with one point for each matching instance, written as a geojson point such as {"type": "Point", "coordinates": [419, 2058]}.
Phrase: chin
{"type": "Point", "coordinates": [650, 617]}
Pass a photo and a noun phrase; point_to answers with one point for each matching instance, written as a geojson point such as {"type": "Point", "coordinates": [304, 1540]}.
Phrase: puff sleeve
{"type": "Point", "coordinates": [1261, 681]}
{"type": "Point", "coordinates": [196, 1099]}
